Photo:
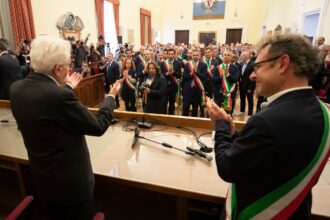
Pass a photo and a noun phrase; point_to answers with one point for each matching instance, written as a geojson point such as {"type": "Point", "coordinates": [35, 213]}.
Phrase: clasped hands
{"type": "Point", "coordinates": [217, 113]}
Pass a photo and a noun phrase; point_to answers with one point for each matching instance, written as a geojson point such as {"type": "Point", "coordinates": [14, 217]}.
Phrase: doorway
{"type": "Point", "coordinates": [310, 24]}
{"type": "Point", "coordinates": [182, 36]}
{"type": "Point", "coordinates": [234, 35]}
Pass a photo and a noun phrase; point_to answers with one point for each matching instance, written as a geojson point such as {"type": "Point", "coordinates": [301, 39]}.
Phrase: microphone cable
{"type": "Point", "coordinates": [190, 151]}
{"type": "Point", "coordinates": [203, 146]}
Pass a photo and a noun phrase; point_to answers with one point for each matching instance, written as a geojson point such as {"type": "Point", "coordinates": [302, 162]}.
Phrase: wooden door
{"type": "Point", "coordinates": [182, 36]}
{"type": "Point", "coordinates": [233, 36]}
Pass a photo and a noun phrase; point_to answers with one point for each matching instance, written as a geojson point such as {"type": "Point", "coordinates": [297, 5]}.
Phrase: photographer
{"type": "Point", "coordinates": [94, 58]}
{"type": "Point", "coordinates": [153, 88]}
{"type": "Point", "coordinates": [81, 53]}
{"type": "Point", "coordinates": [24, 53]}
{"type": "Point", "coordinates": [100, 45]}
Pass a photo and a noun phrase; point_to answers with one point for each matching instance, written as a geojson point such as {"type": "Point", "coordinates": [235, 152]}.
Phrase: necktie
{"type": "Point", "coordinates": [192, 85]}
{"type": "Point", "coordinates": [243, 68]}
{"type": "Point", "coordinates": [227, 69]}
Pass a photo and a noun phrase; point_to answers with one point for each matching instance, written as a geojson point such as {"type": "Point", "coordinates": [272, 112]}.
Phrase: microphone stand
{"type": "Point", "coordinates": [190, 151]}
{"type": "Point", "coordinates": [167, 145]}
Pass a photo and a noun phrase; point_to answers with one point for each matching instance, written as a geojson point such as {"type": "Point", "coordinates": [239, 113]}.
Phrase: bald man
{"type": "Point", "coordinates": [320, 42]}
{"type": "Point", "coordinates": [246, 86]}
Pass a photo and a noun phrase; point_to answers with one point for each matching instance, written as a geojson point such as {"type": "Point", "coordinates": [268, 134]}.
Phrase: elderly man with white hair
{"type": "Point", "coordinates": [53, 124]}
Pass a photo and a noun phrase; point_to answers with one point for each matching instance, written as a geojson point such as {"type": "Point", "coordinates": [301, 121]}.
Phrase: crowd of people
{"type": "Point", "coordinates": [186, 74]}
{"type": "Point", "coordinates": [183, 76]}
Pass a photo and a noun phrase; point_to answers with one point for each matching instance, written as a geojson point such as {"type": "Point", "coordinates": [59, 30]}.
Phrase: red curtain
{"type": "Point", "coordinates": [143, 14]}
{"type": "Point", "coordinates": [116, 15]}
{"type": "Point", "coordinates": [99, 7]}
{"type": "Point", "coordinates": [22, 20]}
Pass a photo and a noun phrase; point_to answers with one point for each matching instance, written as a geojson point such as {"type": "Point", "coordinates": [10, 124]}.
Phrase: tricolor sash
{"type": "Point", "coordinates": [221, 57]}
{"type": "Point", "coordinates": [167, 64]}
{"type": "Point", "coordinates": [208, 67]}
{"type": "Point", "coordinates": [284, 201]}
{"type": "Point", "coordinates": [143, 61]}
{"type": "Point", "coordinates": [130, 84]}
{"type": "Point", "coordinates": [184, 62]}
{"type": "Point", "coordinates": [221, 69]}
{"type": "Point", "coordinates": [198, 81]}
{"type": "Point", "coordinates": [228, 89]}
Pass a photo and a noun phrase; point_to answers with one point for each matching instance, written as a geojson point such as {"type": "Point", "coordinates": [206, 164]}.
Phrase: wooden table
{"type": "Point", "coordinates": [149, 165]}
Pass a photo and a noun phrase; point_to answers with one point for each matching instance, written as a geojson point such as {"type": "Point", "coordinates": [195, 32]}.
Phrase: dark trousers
{"type": "Point", "coordinates": [209, 87]}
{"type": "Point", "coordinates": [129, 99]}
{"type": "Point", "coordinates": [218, 99]}
{"type": "Point", "coordinates": [233, 96]}
{"type": "Point", "coordinates": [243, 95]}
{"type": "Point", "coordinates": [170, 102]}
{"type": "Point", "coordinates": [192, 97]}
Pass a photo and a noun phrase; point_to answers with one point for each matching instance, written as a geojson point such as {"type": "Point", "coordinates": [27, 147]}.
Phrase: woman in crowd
{"type": "Point", "coordinates": [153, 87]}
{"type": "Point", "coordinates": [129, 89]}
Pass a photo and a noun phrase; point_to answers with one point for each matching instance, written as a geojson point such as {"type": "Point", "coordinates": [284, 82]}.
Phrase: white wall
{"type": "Point", "coordinates": [289, 14]}
{"type": "Point", "coordinates": [178, 16]}
{"type": "Point", "coordinates": [166, 17]}
{"type": "Point", "coordinates": [46, 13]}
{"type": "Point", "coordinates": [129, 17]}
{"type": "Point", "coordinates": [324, 29]}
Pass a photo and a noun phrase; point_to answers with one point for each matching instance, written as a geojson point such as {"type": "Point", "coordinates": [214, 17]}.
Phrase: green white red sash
{"type": "Point", "coordinates": [284, 201]}
{"type": "Point", "coordinates": [143, 61]}
{"type": "Point", "coordinates": [198, 81]}
{"type": "Point", "coordinates": [180, 57]}
{"type": "Point", "coordinates": [208, 67]}
{"type": "Point", "coordinates": [228, 89]}
{"type": "Point", "coordinates": [221, 57]}
{"type": "Point", "coordinates": [167, 64]}
{"type": "Point", "coordinates": [130, 84]}
{"type": "Point", "coordinates": [221, 69]}
{"type": "Point", "coordinates": [184, 62]}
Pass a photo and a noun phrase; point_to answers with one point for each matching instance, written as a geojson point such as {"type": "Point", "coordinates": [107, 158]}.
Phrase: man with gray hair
{"type": "Point", "coordinates": [279, 155]}
{"type": "Point", "coordinates": [246, 86]}
{"type": "Point", "coordinates": [53, 124]}
{"type": "Point", "coordinates": [10, 71]}
{"type": "Point", "coordinates": [320, 42]}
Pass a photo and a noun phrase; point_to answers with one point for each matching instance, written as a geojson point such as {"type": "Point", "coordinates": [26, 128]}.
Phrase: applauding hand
{"type": "Point", "coordinates": [73, 80]}
{"type": "Point", "coordinates": [114, 89]}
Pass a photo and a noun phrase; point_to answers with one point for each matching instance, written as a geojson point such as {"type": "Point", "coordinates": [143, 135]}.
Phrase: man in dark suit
{"type": "Point", "coordinates": [53, 124]}
{"type": "Point", "coordinates": [211, 64]}
{"type": "Point", "coordinates": [279, 155]}
{"type": "Point", "coordinates": [246, 86]}
{"type": "Point", "coordinates": [193, 89]}
{"type": "Point", "coordinates": [171, 69]}
{"type": "Point", "coordinates": [224, 79]}
{"type": "Point", "coordinates": [10, 71]}
{"type": "Point", "coordinates": [112, 74]}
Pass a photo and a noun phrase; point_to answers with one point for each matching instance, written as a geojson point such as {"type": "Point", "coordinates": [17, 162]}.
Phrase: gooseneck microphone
{"type": "Point", "coordinates": [200, 153]}
{"type": "Point", "coordinates": [190, 151]}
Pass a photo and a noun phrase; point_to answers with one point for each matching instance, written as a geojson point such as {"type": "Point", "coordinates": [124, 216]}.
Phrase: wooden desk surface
{"type": "Point", "coordinates": [151, 165]}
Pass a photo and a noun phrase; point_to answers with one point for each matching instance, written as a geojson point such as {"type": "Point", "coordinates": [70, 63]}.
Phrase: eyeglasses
{"type": "Point", "coordinates": [66, 64]}
{"type": "Point", "coordinates": [257, 64]}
